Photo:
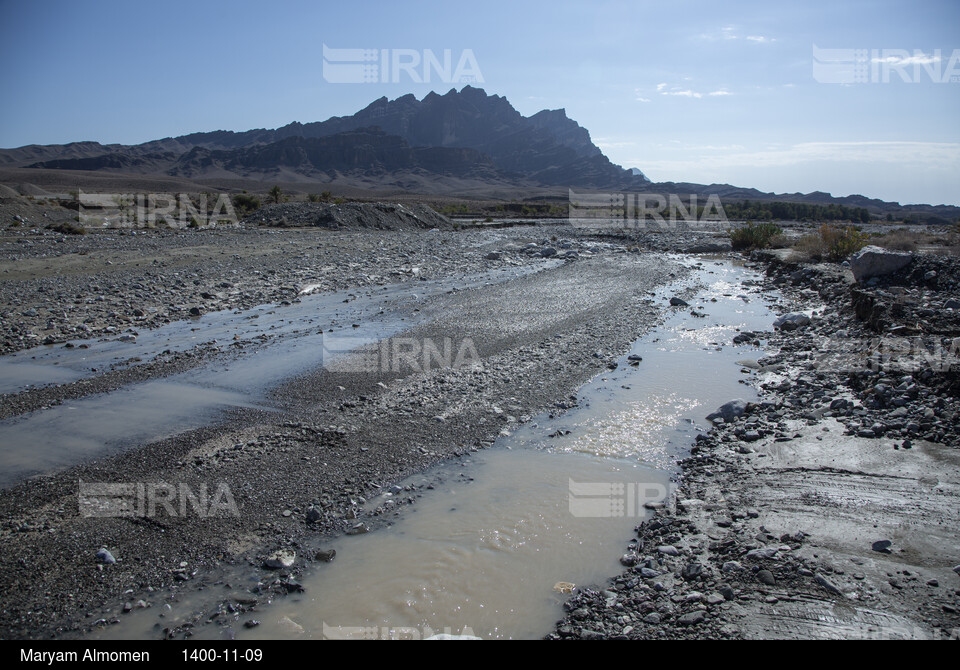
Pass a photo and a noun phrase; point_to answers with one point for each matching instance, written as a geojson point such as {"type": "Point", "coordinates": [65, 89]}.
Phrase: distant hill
{"type": "Point", "coordinates": [460, 143]}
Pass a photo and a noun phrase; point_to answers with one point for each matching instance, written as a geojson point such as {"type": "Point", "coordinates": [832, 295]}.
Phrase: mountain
{"type": "Point", "coordinates": [465, 143]}
{"type": "Point", "coordinates": [465, 134]}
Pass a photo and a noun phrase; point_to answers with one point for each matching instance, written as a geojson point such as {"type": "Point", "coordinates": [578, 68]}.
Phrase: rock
{"type": "Point", "coordinates": [678, 302]}
{"type": "Point", "coordinates": [251, 623]}
{"type": "Point", "coordinates": [751, 436]}
{"type": "Point", "coordinates": [652, 618]}
{"type": "Point", "coordinates": [648, 573]}
{"type": "Point", "coordinates": [548, 252]}
{"type": "Point", "coordinates": [691, 571]}
{"type": "Point", "coordinates": [715, 599]}
{"type": "Point", "coordinates": [731, 566]}
{"type": "Point", "coordinates": [825, 583]}
{"type": "Point", "coordinates": [668, 550]}
{"type": "Point", "coordinates": [872, 261]}
{"type": "Point", "coordinates": [195, 311]}
{"type": "Point", "coordinates": [692, 618]}
{"type": "Point", "coordinates": [957, 569]}
{"type": "Point", "coordinates": [762, 554]}
{"type": "Point", "coordinates": [492, 256]}
{"type": "Point", "coordinates": [106, 557]}
{"type": "Point", "coordinates": [952, 303]}
{"type": "Point", "coordinates": [629, 560]}
{"type": "Point", "coordinates": [358, 529]}
{"type": "Point", "coordinates": [792, 321]}
{"type": "Point", "coordinates": [280, 559]}
{"type": "Point", "coordinates": [325, 555]}
{"type": "Point", "coordinates": [729, 411]}
{"type": "Point", "coordinates": [452, 636]}
{"type": "Point", "coordinates": [882, 546]}
{"type": "Point", "coordinates": [766, 577]}
{"type": "Point", "coordinates": [313, 515]}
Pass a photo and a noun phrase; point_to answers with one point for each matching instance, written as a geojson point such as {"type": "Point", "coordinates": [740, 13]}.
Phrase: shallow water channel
{"type": "Point", "coordinates": [496, 537]}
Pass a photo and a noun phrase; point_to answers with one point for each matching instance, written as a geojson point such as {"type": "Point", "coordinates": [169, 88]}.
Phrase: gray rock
{"type": "Point", "coordinates": [325, 555]}
{"type": "Point", "coordinates": [313, 515]}
{"type": "Point", "coordinates": [882, 546]}
{"type": "Point", "coordinates": [105, 556]}
{"type": "Point", "coordinates": [668, 550]}
{"type": "Point", "coordinates": [692, 618]}
{"type": "Point", "coordinates": [766, 577]}
{"type": "Point", "coordinates": [647, 573]}
{"type": "Point", "coordinates": [792, 321]}
{"type": "Point", "coordinates": [731, 566]}
{"type": "Point", "coordinates": [872, 261]}
{"type": "Point", "coordinates": [952, 303]}
{"type": "Point", "coordinates": [751, 436]}
{"type": "Point", "coordinates": [280, 559]}
{"type": "Point", "coordinates": [492, 256]}
{"type": "Point", "coordinates": [729, 411]}
{"type": "Point", "coordinates": [652, 618]}
{"type": "Point", "coordinates": [678, 302]}
{"type": "Point", "coordinates": [827, 584]}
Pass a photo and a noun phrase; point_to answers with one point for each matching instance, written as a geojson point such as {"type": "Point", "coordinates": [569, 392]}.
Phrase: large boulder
{"type": "Point", "coordinates": [874, 261]}
{"type": "Point", "coordinates": [729, 411]}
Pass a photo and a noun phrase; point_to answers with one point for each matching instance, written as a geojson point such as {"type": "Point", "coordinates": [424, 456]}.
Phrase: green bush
{"type": "Point", "coordinates": [753, 236]}
{"type": "Point", "coordinates": [246, 203]}
{"type": "Point", "coordinates": [841, 242]}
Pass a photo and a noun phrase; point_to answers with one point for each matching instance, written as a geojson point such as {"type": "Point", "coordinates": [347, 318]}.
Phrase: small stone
{"type": "Point", "coordinates": [692, 618]}
{"type": "Point", "coordinates": [827, 584]}
{"type": "Point", "coordinates": [325, 555]}
{"type": "Point", "coordinates": [766, 577]}
{"type": "Point", "coordinates": [882, 546]}
{"type": "Point", "coordinates": [280, 559]}
{"type": "Point", "coordinates": [668, 550]}
{"type": "Point", "coordinates": [106, 557]}
{"type": "Point", "coordinates": [652, 618]}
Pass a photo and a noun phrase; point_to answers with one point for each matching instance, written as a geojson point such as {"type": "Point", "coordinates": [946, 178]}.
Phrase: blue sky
{"type": "Point", "coordinates": [694, 91]}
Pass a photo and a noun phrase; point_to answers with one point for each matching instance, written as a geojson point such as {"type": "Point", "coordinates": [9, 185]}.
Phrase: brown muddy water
{"type": "Point", "coordinates": [495, 540]}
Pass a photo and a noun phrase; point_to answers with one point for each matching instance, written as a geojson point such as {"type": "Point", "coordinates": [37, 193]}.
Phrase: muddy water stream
{"type": "Point", "coordinates": [289, 340]}
{"type": "Point", "coordinates": [493, 540]}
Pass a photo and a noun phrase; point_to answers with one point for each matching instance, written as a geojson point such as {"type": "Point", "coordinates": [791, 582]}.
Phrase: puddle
{"type": "Point", "coordinates": [97, 425]}
{"type": "Point", "coordinates": [483, 552]}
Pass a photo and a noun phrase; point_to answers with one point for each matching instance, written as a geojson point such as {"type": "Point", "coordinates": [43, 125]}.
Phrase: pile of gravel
{"type": "Point", "coordinates": [353, 215]}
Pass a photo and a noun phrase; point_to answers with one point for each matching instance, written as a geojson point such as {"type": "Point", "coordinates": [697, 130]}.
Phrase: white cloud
{"type": "Point", "coordinates": [944, 155]}
{"type": "Point", "coordinates": [720, 92]}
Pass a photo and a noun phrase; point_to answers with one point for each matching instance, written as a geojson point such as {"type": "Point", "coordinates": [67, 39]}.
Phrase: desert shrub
{"type": "Point", "coordinates": [313, 197]}
{"type": "Point", "coordinates": [835, 243]}
{"type": "Point", "coordinates": [246, 203]}
{"type": "Point", "coordinates": [754, 236]}
{"type": "Point", "coordinates": [841, 242]}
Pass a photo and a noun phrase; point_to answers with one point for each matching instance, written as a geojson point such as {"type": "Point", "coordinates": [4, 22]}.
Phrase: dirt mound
{"type": "Point", "coordinates": [354, 215]}
{"type": "Point", "coordinates": [31, 189]}
{"type": "Point", "coordinates": [7, 192]}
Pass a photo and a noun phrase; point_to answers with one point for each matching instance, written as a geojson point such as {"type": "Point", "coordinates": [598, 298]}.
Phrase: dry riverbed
{"type": "Point", "coordinates": [826, 509]}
